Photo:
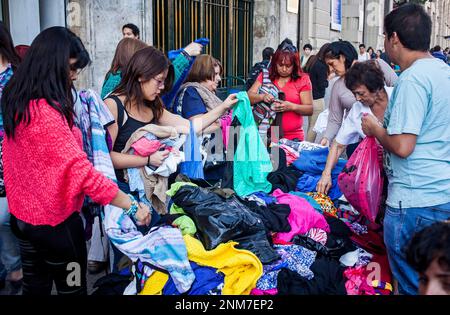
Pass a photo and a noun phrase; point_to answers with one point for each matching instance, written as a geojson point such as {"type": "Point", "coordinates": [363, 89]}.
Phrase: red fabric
{"type": "Point", "coordinates": [47, 174]}
{"type": "Point", "coordinates": [292, 122]}
{"type": "Point", "coordinates": [374, 244]}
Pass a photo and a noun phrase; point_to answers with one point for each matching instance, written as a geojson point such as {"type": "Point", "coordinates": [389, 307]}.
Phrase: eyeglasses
{"type": "Point", "coordinates": [159, 82]}
{"type": "Point", "coordinates": [74, 69]}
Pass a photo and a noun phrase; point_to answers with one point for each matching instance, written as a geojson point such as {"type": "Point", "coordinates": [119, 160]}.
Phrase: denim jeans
{"type": "Point", "coordinates": [399, 227]}
{"type": "Point", "coordinates": [9, 245]}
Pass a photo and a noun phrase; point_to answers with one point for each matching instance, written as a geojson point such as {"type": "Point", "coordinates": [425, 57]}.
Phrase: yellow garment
{"type": "Point", "coordinates": [155, 284]}
{"type": "Point", "coordinates": [241, 268]}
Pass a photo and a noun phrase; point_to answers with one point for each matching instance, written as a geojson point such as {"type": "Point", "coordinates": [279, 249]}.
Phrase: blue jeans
{"type": "Point", "coordinates": [399, 227]}
{"type": "Point", "coordinates": [9, 245]}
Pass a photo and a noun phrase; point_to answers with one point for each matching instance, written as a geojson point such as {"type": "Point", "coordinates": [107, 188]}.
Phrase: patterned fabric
{"type": "Point", "coordinates": [92, 116]}
{"type": "Point", "coordinates": [325, 202]}
{"type": "Point", "coordinates": [5, 76]}
{"type": "Point", "coordinates": [357, 228]}
{"type": "Point", "coordinates": [357, 282]}
{"type": "Point", "coordinates": [262, 112]}
{"type": "Point", "coordinates": [318, 235]}
{"type": "Point", "coordinates": [300, 146]}
{"type": "Point", "coordinates": [293, 257]}
{"type": "Point", "coordinates": [162, 247]}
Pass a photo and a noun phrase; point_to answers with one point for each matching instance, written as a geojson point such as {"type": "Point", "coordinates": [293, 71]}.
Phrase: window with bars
{"type": "Point", "coordinates": [226, 23]}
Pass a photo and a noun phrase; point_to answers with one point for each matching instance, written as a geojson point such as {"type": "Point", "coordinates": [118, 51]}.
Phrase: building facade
{"type": "Point", "coordinates": [239, 29]}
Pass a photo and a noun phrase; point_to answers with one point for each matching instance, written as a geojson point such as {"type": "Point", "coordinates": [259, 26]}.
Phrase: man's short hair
{"type": "Point", "coordinates": [366, 73]}
{"type": "Point", "coordinates": [412, 25]}
{"type": "Point", "coordinates": [362, 45]}
{"type": "Point", "coordinates": [433, 242]}
{"type": "Point", "coordinates": [437, 48]}
{"type": "Point", "coordinates": [307, 46]}
{"type": "Point", "coordinates": [133, 28]}
{"type": "Point", "coordinates": [267, 53]}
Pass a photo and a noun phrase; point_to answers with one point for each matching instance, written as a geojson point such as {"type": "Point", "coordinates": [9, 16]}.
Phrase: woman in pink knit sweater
{"type": "Point", "coordinates": [47, 174]}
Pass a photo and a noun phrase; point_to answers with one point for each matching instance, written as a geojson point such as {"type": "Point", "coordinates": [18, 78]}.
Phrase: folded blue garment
{"type": "Point", "coordinates": [313, 162]}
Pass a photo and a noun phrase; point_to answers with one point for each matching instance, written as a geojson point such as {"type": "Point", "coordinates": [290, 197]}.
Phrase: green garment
{"type": "Point", "coordinates": [310, 200]}
{"type": "Point", "coordinates": [111, 82]}
{"type": "Point", "coordinates": [251, 160]}
{"type": "Point", "coordinates": [185, 223]}
{"type": "Point", "coordinates": [176, 186]}
{"type": "Point", "coordinates": [179, 64]}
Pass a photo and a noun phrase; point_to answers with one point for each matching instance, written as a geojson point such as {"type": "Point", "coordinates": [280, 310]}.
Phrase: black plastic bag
{"type": "Point", "coordinates": [220, 220]}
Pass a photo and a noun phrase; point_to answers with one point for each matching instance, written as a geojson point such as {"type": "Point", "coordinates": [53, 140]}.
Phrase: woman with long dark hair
{"type": "Point", "coordinates": [47, 173]}
{"type": "Point", "coordinates": [286, 74]}
{"type": "Point", "coordinates": [10, 264]}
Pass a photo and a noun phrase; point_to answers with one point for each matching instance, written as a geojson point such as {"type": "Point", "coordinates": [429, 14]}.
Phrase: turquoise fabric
{"type": "Point", "coordinates": [251, 160]}
{"type": "Point", "coordinates": [111, 82]}
{"type": "Point", "coordinates": [310, 200]}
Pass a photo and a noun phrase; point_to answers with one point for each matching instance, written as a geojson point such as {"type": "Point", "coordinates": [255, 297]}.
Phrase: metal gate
{"type": "Point", "coordinates": [227, 23]}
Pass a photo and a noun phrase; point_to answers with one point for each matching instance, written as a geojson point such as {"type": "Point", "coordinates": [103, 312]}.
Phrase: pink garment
{"type": "Point", "coordinates": [318, 235]}
{"type": "Point", "coordinates": [225, 123]}
{"type": "Point", "coordinates": [145, 147]}
{"type": "Point", "coordinates": [302, 218]}
{"type": "Point", "coordinates": [357, 282]}
{"type": "Point", "coordinates": [291, 154]}
{"type": "Point", "coordinates": [264, 292]}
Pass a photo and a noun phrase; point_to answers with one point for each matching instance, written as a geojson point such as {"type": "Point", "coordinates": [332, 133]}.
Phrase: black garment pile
{"type": "Point", "coordinates": [220, 220]}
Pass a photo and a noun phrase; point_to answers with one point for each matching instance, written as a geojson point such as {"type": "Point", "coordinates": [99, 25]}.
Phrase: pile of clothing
{"type": "Point", "coordinates": [267, 233]}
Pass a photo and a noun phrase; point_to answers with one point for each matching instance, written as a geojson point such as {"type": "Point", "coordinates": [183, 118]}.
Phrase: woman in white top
{"type": "Point", "coordinates": [366, 81]}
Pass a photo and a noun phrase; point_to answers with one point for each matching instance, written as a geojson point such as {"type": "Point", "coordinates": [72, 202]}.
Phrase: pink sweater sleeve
{"type": "Point", "coordinates": [56, 147]}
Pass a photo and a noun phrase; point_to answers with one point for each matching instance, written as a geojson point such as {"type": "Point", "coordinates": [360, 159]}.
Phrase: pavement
{"type": "Point", "coordinates": [91, 279]}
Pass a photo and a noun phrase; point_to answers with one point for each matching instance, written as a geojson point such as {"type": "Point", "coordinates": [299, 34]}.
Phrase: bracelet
{"type": "Point", "coordinates": [134, 207]}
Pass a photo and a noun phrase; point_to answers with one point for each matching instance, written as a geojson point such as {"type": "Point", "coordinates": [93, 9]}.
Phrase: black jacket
{"type": "Point", "coordinates": [319, 79]}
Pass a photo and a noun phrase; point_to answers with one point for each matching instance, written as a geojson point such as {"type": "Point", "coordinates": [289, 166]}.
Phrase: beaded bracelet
{"type": "Point", "coordinates": [133, 209]}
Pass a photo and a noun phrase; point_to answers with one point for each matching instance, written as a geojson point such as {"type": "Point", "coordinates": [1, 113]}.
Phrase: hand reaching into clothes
{"type": "Point", "coordinates": [193, 49]}
{"type": "Point", "coordinates": [143, 215]}
{"type": "Point", "coordinates": [324, 184]}
{"type": "Point", "coordinates": [230, 101]}
{"type": "Point", "coordinates": [157, 158]}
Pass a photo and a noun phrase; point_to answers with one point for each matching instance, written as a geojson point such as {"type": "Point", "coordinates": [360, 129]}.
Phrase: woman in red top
{"type": "Point", "coordinates": [286, 74]}
{"type": "Point", "coordinates": [47, 174]}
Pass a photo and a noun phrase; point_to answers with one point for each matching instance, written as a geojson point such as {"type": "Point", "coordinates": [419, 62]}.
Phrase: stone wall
{"type": "Point", "coordinates": [99, 25]}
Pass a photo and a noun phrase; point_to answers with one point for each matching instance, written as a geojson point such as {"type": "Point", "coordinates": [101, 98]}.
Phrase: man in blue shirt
{"type": "Point", "coordinates": [415, 136]}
